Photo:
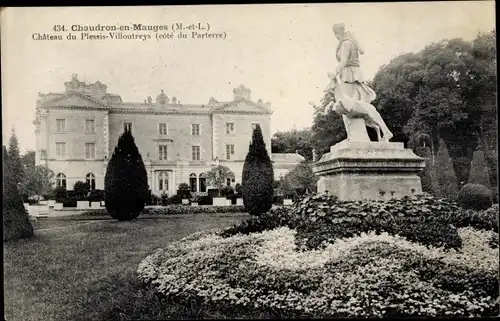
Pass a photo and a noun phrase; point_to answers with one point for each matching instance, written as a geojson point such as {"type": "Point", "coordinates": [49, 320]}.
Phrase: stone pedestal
{"type": "Point", "coordinates": [358, 130]}
{"type": "Point", "coordinates": [354, 170]}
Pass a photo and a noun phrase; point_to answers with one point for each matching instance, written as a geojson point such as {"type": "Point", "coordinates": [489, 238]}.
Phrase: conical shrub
{"type": "Point", "coordinates": [126, 181]}
{"type": "Point", "coordinates": [257, 177]}
{"type": "Point", "coordinates": [426, 174]}
{"type": "Point", "coordinates": [479, 173]}
{"type": "Point", "coordinates": [16, 222]}
{"type": "Point", "coordinates": [445, 183]}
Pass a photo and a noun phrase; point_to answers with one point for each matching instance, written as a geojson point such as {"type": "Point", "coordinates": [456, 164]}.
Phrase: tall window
{"type": "Point", "coordinates": [163, 152]}
{"type": "Point", "coordinates": [89, 126]}
{"type": "Point", "coordinates": [61, 150]}
{"type": "Point", "coordinates": [229, 128]}
{"type": "Point", "coordinates": [195, 129]}
{"type": "Point", "coordinates": [43, 154]}
{"type": "Point", "coordinates": [90, 179]}
{"type": "Point", "coordinates": [89, 150]}
{"type": "Point", "coordinates": [61, 125]}
{"type": "Point", "coordinates": [163, 181]}
{"type": "Point", "coordinates": [61, 180]}
{"type": "Point", "coordinates": [203, 182]}
{"type": "Point", "coordinates": [196, 152]}
{"type": "Point", "coordinates": [162, 129]}
{"type": "Point", "coordinates": [192, 182]}
{"type": "Point", "coordinates": [229, 151]}
{"type": "Point", "coordinates": [127, 126]}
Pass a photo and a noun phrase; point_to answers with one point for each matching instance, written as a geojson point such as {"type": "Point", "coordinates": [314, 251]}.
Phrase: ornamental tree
{"type": "Point", "coordinates": [217, 176]}
{"type": "Point", "coordinates": [445, 182]}
{"type": "Point", "coordinates": [126, 181]}
{"type": "Point", "coordinates": [15, 159]}
{"type": "Point", "coordinates": [258, 176]}
{"type": "Point", "coordinates": [37, 180]}
{"type": "Point", "coordinates": [16, 223]}
{"type": "Point", "coordinates": [479, 172]}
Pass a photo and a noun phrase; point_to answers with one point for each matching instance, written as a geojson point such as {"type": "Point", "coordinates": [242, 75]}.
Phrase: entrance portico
{"type": "Point", "coordinates": [163, 182]}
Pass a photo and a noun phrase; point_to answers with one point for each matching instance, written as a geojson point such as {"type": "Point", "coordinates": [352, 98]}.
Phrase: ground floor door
{"type": "Point", "coordinates": [163, 182]}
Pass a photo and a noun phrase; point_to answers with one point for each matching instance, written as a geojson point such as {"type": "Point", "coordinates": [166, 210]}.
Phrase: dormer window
{"type": "Point", "coordinates": [162, 99]}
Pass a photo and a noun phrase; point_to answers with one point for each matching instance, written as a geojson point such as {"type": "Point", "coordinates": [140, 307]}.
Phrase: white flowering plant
{"type": "Point", "coordinates": [324, 258]}
{"type": "Point", "coordinates": [368, 275]}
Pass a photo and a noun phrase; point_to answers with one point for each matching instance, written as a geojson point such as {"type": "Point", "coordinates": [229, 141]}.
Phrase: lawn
{"type": "Point", "coordinates": [88, 271]}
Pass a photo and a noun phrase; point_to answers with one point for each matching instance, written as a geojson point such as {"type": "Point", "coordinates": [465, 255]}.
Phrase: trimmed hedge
{"type": "Point", "coordinates": [177, 209]}
{"type": "Point", "coordinates": [320, 219]}
{"type": "Point", "coordinates": [257, 177]}
{"type": "Point", "coordinates": [126, 180]}
{"type": "Point", "coordinates": [481, 220]}
{"type": "Point", "coordinates": [475, 196]}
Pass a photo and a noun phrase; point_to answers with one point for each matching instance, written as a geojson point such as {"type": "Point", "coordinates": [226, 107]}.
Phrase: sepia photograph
{"type": "Point", "coordinates": [253, 161]}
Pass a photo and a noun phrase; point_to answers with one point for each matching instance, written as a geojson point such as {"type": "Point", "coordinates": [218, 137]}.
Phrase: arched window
{"type": "Point", "coordinates": [90, 179]}
{"type": "Point", "coordinates": [163, 181]}
{"type": "Point", "coordinates": [61, 180]}
{"type": "Point", "coordinates": [230, 180]}
{"type": "Point", "coordinates": [203, 182]}
{"type": "Point", "coordinates": [192, 182]}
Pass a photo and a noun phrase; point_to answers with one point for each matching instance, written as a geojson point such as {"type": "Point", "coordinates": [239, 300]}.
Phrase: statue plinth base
{"type": "Point", "coordinates": [354, 170]}
{"type": "Point", "coordinates": [358, 130]}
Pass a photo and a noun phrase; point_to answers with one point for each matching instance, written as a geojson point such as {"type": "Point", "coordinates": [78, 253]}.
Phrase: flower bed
{"type": "Point", "coordinates": [324, 258]}
{"type": "Point", "coordinates": [177, 209]}
{"type": "Point", "coordinates": [363, 276]}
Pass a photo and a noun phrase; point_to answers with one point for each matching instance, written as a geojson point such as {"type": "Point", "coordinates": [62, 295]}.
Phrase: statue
{"type": "Point", "coordinates": [353, 97]}
{"type": "Point", "coordinates": [351, 108]}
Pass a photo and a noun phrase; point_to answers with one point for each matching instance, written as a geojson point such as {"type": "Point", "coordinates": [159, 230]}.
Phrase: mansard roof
{"type": "Point", "coordinates": [82, 101]}
{"type": "Point", "coordinates": [82, 96]}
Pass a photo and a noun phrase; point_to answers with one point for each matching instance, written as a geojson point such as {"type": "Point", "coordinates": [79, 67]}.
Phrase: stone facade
{"type": "Point", "coordinates": [77, 131]}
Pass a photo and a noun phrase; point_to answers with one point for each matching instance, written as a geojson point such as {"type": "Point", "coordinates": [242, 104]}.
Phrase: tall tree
{"type": "Point", "coordinates": [446, 91]}
{"type": "Point", "coordinates": [15, 158]}
{"type": "Point", "coordinates": [328, 127]}
{"type": "Point", "coordinates": [302, 178]}
{"type": "Point", "coordinates": [125, 182]}
{"type": "Point", "coordinates": [28, 159]}
{"type": "Point", "coordinates": [16, 223]}
{"type": "Point", "coordinates": [258, 176]}
{"type": "Point", "coordinates": [293, 141]}
{"type": "Point", "coordinates": [38, 180]}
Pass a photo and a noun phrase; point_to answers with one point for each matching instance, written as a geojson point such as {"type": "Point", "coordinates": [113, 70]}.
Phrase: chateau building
{"type": "Point", "coordinates": [78, 129]}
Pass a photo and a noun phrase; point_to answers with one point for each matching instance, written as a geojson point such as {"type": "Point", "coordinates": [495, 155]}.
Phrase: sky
{"type": "Point", "coordinates": [282, 53]}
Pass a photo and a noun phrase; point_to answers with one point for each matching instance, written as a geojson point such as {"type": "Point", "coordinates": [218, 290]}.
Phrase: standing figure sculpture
{"type": "Point", "coordinates": [353, 97]}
